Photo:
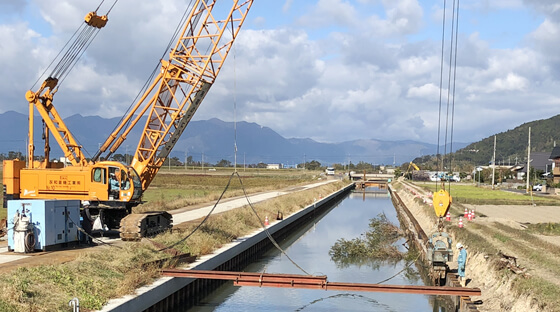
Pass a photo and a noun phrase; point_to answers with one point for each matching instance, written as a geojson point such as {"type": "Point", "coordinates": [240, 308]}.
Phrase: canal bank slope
{"type": "Point", "coordinates": [486, 239]}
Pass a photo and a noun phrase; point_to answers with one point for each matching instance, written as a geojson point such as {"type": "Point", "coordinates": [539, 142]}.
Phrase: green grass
{"type": "Point", "coordinates": [177, 189]}
{"type": "Point", "coordinates": [470, 194]}
{"type": "Point", "coordinates": [502, 238]}
{"type": "Point", "coordinates": [546, 293]}
{"type": "Point", "coordinates": [552, 229]}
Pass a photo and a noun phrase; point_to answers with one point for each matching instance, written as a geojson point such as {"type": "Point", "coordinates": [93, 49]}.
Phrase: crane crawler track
{"type": "Point", "coordinates": [137, 225]}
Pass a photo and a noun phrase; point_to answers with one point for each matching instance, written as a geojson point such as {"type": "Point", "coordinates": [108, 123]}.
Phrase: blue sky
{"type": "Point", "coordinates": [330, 70]}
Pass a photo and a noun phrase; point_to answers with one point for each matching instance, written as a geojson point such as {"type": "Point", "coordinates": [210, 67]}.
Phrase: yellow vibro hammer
{"type": "Point", "coordinates": [442, 201]}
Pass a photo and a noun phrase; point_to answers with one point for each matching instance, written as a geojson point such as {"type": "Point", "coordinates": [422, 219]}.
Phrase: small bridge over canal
{"type": "Point", "coordinates": [364, 181]}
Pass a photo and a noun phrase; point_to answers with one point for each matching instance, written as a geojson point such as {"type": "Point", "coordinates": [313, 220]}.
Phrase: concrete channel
{"type": "Point", "coordinates": [177, 294]}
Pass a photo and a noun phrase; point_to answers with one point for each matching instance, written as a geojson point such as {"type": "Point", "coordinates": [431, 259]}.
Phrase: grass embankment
{"type": "Point", "coordinates": [177, 189]}
{"type": "Point", "coordinates": [487, 239]}
{"type": "Point", "coordinates": [535, 253]}
{"type": "Point", "coordinates": [97, 276]}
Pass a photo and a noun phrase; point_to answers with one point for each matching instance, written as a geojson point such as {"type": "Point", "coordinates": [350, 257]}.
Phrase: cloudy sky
{"type": "Point", "coordinates": [330, 70]}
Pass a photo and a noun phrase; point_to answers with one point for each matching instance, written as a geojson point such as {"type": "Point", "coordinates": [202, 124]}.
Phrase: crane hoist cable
{"type": "Point", "coordinates": [442, 198]}
{"type": "Point", "coordinates": [75, 47]}
{"type": "Point", "coordinates": [451, 87]}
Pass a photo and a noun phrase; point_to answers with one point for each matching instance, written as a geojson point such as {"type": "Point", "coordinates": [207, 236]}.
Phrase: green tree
{"type": "Point", "coordinates": [313, 165]}
{"type": "Point", "coordinates": [14, 155]}
{"type": "Point", "coordinates": [223, 163]}
{"type": "Point", "coordinates": [118, 157]}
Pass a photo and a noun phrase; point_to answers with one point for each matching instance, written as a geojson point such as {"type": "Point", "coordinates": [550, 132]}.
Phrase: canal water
{"type": "Point", "coordinates": [309, 248]}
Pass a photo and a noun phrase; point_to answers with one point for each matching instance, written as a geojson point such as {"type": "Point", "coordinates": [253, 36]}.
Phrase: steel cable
{"type": "Point", "coordinates": [256, 214]}
{"type": "Point", "coordinates": [454, 84]}
{"type": "Point", "coordinates": [56, 57]}
{"type": "Point", "coordinates": [440, 92]}
{"type": "Point", "coordinates": [83, 45]}
{"type": "Point", "coordinates": [69, 56]}
{"type": "Point", "coordinates": [266, 230]}
{"type": "Point", "coordinates": [203, 220]}
{"type": "Point", "coordinates": [90, 236]}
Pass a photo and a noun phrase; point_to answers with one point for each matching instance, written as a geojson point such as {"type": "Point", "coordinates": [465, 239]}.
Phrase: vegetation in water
{"type": "Point", "coordinates": [375, 245]}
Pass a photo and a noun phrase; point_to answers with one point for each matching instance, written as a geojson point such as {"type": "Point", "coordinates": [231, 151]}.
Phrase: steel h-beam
{"type": "Point", "coordinates": [316, 282]}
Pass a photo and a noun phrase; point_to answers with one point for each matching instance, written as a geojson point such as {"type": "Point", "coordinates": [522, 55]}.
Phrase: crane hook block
{"type": "Point", "coordinates": [442, 200]}
{"type": "Point", "coordinates": [94, 20]}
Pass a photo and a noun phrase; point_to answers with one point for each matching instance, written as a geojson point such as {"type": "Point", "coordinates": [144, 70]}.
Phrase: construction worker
{"type": "Point", "coordinates": [461, 264]}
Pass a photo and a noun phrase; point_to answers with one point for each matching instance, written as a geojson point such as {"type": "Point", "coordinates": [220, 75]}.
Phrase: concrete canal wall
{"type": "Point", "coordinates": [177, 294]}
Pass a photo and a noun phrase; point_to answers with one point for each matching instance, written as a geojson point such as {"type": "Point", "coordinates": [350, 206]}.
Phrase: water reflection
{"type": "Point", "coordinates": [309, 248]}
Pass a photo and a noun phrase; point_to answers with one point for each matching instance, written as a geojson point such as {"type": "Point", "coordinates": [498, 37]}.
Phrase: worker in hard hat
{"type": "Point", "coordinates": [461, 264]}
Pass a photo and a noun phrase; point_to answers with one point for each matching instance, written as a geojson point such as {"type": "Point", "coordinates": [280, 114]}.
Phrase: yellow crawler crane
{"type": "Point", "coordinates": [111, 189]}
{"type": "Point", "coordinates": [408, 173]}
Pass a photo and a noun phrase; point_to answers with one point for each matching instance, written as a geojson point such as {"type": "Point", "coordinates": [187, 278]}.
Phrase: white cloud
{"type": "Point", "coordinates": [511, 82]}
{"type": "Point", "coordinates": [428, 91]}
{"type": "Point", "coordinates": [402, 18]}
{"type": "Point", "coordinates": [344, 70]}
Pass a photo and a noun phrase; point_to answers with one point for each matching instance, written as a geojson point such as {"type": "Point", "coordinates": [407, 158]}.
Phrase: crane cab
{"type": "Point", "coordinates": [106, 183]}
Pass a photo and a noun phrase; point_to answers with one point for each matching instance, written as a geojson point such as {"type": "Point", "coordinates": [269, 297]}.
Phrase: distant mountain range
{"type": "Point", "coordinates": [215, 140]}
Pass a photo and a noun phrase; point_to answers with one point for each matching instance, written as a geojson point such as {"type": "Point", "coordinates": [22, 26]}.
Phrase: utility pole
{"type": "Point", "coordinates": [528, 159]}
{"type": "Point", "coordinates": [494, 163]}
{"type": "Point", "coordinates": [235, 157]}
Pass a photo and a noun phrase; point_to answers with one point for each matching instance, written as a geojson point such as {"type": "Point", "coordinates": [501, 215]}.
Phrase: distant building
{"type": "Point", "coordinates": [555, 158]}
{"type": "Point", "coordinates": [274, 166]}
{"type": "Point", "coordinates": [539, 161]}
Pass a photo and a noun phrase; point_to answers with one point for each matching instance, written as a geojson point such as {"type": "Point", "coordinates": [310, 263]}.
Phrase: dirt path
{"type": "Point", "coordinates": [521, 214]}
{"type": "Point", "coordinates": [510, 238]}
